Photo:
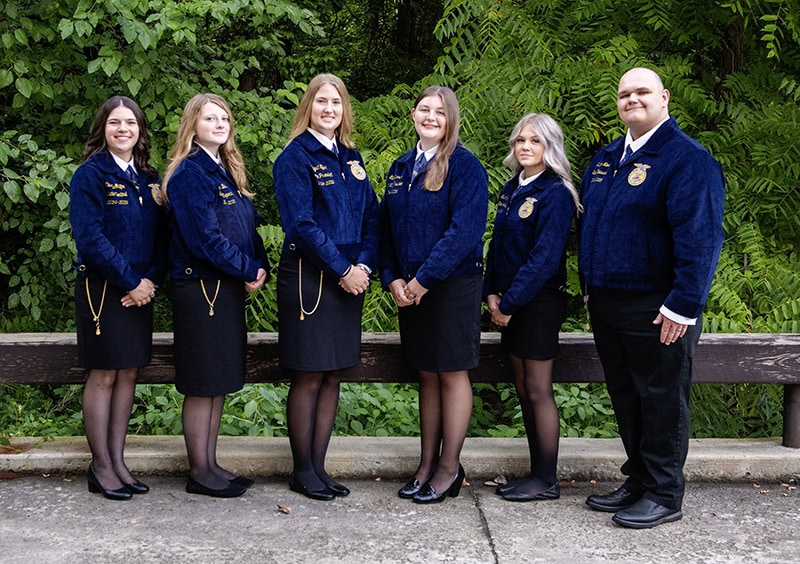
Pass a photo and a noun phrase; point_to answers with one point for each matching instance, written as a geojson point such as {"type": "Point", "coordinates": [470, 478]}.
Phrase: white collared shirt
{"type": "Point", "coordinates": [122, 164]}
{"type": "Point", "coordinates": [326, 142]}
{"type": "Point", "coordinates": [525, 180]}
{"type": "Point", "coordinates": [215, 158]}
{"type": "Point", "coordinates": [429, 154]}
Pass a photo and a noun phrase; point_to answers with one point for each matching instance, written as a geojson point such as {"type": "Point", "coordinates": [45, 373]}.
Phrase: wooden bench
{"type": "Point", "coordinates": [51, 358]}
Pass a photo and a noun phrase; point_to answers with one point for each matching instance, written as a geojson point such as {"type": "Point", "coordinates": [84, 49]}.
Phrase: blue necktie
{"type": "Point", "coordinates": [132, 174]}
{"type": "Point", "coordinates": [627, 155]}
{"type": "Point", "coordinates": [419, 164]}
{"type": "Point", "coordinates": [335, 150]}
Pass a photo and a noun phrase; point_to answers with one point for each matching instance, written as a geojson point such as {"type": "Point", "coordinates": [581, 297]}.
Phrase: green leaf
{"type": "Point", "coordinates": [24, 87]}
{"type": "Point", "coordinates": [6, 77]}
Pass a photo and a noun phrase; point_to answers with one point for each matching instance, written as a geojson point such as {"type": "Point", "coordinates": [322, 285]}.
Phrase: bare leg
{"type": "Point", "coordinates": [197, 416]}
{"type": "Point", "coordinates": [301, 409]}
{"type": "Point", "coordinates": [121, 404]}
{"type": "Point", "coordinates": [97, 396]}
{"type": "Point", "coordinates": [536, 395]}
{"type": "Point", "coordinates": [430, 424]}
{"type": "Point", "coordinates": [456, 409]}
{"type": "Point", "coordinates": [324, 420]}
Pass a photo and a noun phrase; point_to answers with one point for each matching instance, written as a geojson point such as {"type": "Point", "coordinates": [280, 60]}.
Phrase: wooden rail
{"type": "Point", "coordinates": [51, 358]}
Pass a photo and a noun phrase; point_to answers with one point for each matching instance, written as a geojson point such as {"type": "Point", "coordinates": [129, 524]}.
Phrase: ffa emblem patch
{"type": "Point", "coordinates": [526, 209]}
{"type": "Point", "coordinates": [638, 175]}
{"type": "Point", "coordinates": [357, 170]}
{"type": "Point", "coordinates": [155, 191]}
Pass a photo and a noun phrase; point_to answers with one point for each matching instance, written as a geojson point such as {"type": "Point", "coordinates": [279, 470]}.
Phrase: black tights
{"type": "Point", "coordinates": [534, 382]}
{"type": "Point", "coordinates": [201, 418]}
{"type": "Point", "coordinates": [107, 402]}
{"type": "Point", "coordinates": [311, 414]}
{"type": "Point", "coordinates": [445, 407]}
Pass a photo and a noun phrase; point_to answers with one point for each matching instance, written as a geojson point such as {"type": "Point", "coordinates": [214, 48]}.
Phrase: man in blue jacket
{"type": "Point", "coordinates": [650, 240]}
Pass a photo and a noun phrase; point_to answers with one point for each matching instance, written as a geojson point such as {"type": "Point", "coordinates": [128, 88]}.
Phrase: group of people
{"type": "Point", "coordinates": [650, 227]}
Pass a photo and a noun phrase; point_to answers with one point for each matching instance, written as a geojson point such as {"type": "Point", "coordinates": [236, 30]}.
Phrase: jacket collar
{"type": "Point", "coordinates": [654, 145]}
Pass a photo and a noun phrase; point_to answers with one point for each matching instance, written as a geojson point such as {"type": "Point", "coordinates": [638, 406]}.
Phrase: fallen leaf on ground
{"type": "Point", "coordinates": [283, 509]}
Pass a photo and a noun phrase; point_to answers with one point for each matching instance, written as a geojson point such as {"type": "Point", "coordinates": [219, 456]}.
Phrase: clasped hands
{"type": "Point", "coordinates": [355, 281]}
{"type": "Point", "coordinates": [407, 294]}
{"type": "Point", "coordinates": [256, 284]}
{"type": "Point", "coordinates": [498, 318]}
{"type": "Point", "coordinates": [140, 295]}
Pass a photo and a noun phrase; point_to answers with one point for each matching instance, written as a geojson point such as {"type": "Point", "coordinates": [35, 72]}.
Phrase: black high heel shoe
{"type": "Point", "coordinates": [119, 494]}
{"type": "Point", "coordinates": [137, 487]}
{"type": "Point", "coordinates": [411, 489]}
{"type": "Point", "coordinates": [428, 493]}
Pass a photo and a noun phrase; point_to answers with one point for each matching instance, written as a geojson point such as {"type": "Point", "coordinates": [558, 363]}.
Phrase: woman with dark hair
{"type": "Point", "coordinates": [524, 286]}
{"type": "Point", "coordinates": [215, 257]}
{"type": "Point", "coordinates": [330, 215]}
{"type": "Point", "coordinates": [434, 217]}
{"type": "Point", "coordinates": [116, 215]}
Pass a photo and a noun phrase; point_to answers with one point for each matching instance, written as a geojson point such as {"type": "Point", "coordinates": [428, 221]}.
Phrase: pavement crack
{"type": "Point", "coordinates": [485, 525]}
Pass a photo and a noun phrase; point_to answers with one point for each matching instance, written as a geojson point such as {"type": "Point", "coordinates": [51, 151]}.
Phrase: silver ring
{"type": "Point", "coordinates": [152, 294]}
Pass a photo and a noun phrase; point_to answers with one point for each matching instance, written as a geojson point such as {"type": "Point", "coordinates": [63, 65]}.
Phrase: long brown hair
{"type": "Point", "coordinates": [302, 119]}
{"type": "Point", "coordinates": [97, 135]}
{"type": "Point", "coordinates": [436, 172]}
{"type": "Point", "coordinates": [229, 152]}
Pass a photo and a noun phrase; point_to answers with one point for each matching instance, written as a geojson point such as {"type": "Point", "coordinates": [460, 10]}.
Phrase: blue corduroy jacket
{"type": "Point", "coordinates": [213, 226]}
{"type": "Point", "coordinates": [655, 223]}
{"type": "Point", "coordinates": [117, 238]}
{"type": "Point", "coordinates": [527, 252]}
{"type": "Point", "coordinates": [328, 208]}
{"type": "Point", "coordinates": [434, 235]}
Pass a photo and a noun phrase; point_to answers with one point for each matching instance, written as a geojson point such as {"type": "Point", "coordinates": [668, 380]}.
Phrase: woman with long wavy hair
{"type": "Point", "coordinates": [117, 219]}
{"type": "Point", "coordinates": [215, 257]}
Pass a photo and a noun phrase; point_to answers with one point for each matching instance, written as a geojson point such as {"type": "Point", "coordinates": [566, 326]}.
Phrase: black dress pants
{"type": "Point", "coordinates": [649, 384]}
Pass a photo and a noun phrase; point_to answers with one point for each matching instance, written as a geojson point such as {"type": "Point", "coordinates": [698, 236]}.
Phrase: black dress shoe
{"type": "Point", "coordinates": [339, 490]}
{"type": "Point", "coordinates": [428, 493]}
{"type": "Point", "coordinates": [120, 494]}
{"type": "Point", "coordinates": [231, 490]}
{"type": "Point", "coordinates": [645, 514]}
{"type": "Point", "coordinates": [411, 489]}
{"type": "Point", "coordinates": [617, 500]}
{"type": "Point", "coordinates": [137, 487]}
{"type": "Point", "coordinates": [243, 481]}
{"type": "Point", "coordinates": [322, 494]}
{"type": "Point", "coordinates": [501, 489]}
{"type": "Point", "coordinates": [553, 492]}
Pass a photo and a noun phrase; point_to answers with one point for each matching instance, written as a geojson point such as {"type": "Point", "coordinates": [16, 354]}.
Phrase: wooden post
{"type": "Point", "coordinates": [791, 415]}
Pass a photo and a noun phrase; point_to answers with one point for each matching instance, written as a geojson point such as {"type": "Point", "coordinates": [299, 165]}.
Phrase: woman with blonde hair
{"type": "Point", "coordinates": [434, 216]}
{"type": "Point", "coordinates": [526, 274]}
{"type": "Point", "coordinates": [330, 215]}
{"type": "Point", "coordinates": [215, 257]}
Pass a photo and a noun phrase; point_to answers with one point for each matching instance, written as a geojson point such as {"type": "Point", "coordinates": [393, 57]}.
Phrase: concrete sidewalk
{"type": "Point", "coordinates": [395, 458]}
{"type": "Point", "coordinates": [741, 506]}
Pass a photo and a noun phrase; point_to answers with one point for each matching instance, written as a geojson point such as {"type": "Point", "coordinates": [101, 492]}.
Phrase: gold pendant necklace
{"type": "Point", "coordinates": [303, 312]}
{"type": "Point", "coordinates": [210, 302]}
{"type": "Point", "coordinates": [96, 315]}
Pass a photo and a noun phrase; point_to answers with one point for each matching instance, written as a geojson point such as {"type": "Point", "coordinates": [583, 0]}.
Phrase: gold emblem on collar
{"type": "Point", "coordinates": [638, 175]}
{"type": "Point", "coordinates": [526, 209]}
{"type": "Point", "coordinates": [357, 170]}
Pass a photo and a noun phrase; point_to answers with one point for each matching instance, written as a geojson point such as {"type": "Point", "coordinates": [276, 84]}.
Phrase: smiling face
{"type": "Point", "coordinates": [326, 110]}
{"type": "Point", "coordinates": [642, 101]}
{"type": "Point", "coordinates": [213, 127]}
{"type": "Point", "coordinates": [122, 132]}
{"type": "Point", "coordinates": [529, 151]}
{"type": "Point", "coordinates": [430, 121]}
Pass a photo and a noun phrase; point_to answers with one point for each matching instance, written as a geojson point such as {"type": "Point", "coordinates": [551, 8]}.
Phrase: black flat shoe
{"type": "Point", "coordinates": [339, 490]}
{"type": "Point", "coordinates": [411, 489]}
{"type": "Point", "coordinates": [231, 490]}
{"type": "Point", "coordinates": [243, 482]}
{"type": "Point", "coordinates": [323, 494]}
{"type": "Point", "coordinates": [553, 492]}
{"type": "Point", "coordinates": [428, 493]}
{"type": "Point", "coordinates": [617, 500]}
{"type": "Point", "coordinates": [137, 487]}
{"type": "Point", "coordinates": [645, 514]}
{"type": "Point", "coordinates": [500, 490]}
{"type": "Point", "coordinates": [120, 494]}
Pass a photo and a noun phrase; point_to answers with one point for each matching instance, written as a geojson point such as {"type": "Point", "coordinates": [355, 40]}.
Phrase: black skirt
{"type": "Point", "coordinates": [329, 335]}
{"type": "Point", "coordinates": [533, 330]}
{"type": "Point", "coordinates": [442, 333]}
{"type": "Point", "coordinates": [210, 350]}
{"type": "Point", "coordinates": [126, 333]}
